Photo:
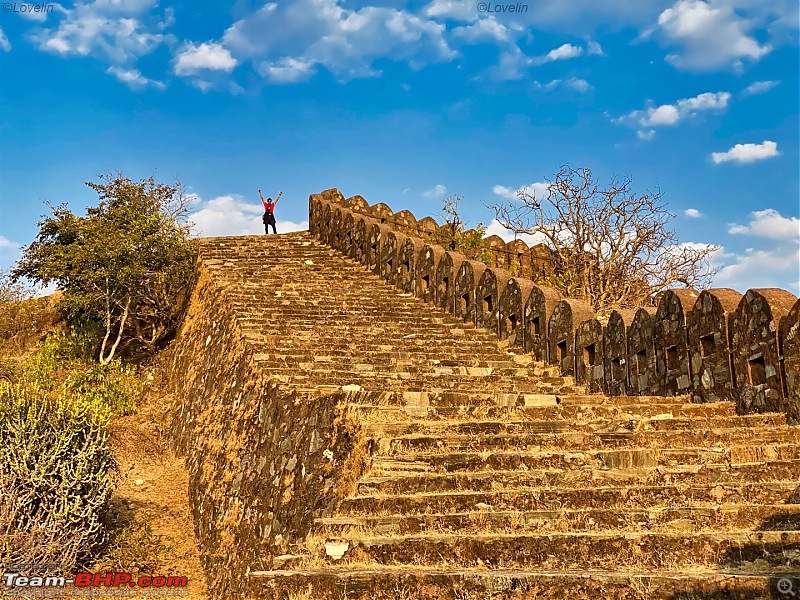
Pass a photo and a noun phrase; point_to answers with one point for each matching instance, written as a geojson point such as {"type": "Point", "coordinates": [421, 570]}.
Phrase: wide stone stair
{"type": "Point", "coordinates": [492, 476]}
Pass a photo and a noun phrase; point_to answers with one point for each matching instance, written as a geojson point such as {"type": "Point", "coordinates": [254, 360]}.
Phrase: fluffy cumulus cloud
{"type": "Point", "coordinates": [709, 35]}
{"type": "Point", "coordinates": [773, 262]}
{"type": "Point", "coordinates": [208, 56]}
{"type": "Point", "coordinates": [692, 213]}
{"type": "Point", "coordinates": [437, 192]}
{"type": "Point", "coordinates": [563, 52]}
{"type": "Point", "coordinates": [672, 114]}
{"type": "Point", "coordinates": [769, 223]}
{"type": "Point", "coordinates": [287, 42]}
{"type": "Point", "coordinates": [747, 153]}
{"type": "Point", "coordinates": [111, 30]}
{"type": "Point", "coordinates": [231, 215]}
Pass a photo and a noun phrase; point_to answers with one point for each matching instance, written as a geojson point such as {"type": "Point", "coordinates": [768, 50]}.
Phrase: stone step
{"type": "Point", "coordinates": [539, 498]}
{"type": "Point", "coordinates": [478, 426]}
{"type": "Point", "coordinates": [607, 550]}
{"type": "Point", "coordinates": [618, 437]}
{"type": "Point", "coordinates": [345, 582]}
{"type": "Point", "coordinates": [613, 458]}
{"type": "Point", "coordinates": [683, 519]}
{"type": "Point", "coordinates": [708, 474]}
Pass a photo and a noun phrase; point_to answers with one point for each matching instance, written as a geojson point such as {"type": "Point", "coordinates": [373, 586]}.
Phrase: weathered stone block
{"type": "Point", "coordinates": [497, 246]}
{"type": "Point", "coordinates": [326, 228]}
{"type": "Point", "coordinates": [426, 226]}
{"type": "Point", "coordinates": [542, 262]}
{"type": "Point", "coordinates": [589, 368]}
{"type": "Point", "coordinates": [375, 235]}
{"type": "Point", "coordinates": [348, 246]}
{"type": "Point", "coordinates": [487, 297]}
{"type": "Point", "coordinates": [642, 353]}
{"type": "Point", "coordinates": [337, 235]}
{"type": "Point", "coordinates": [519, 259]}
{"type": "Point", "coordinates": [425, 273]}
{"type": "Point", "coordinates": [333, 196]}
{"type": "Point", "coordinates": [567, 315]}
{"type": "Point", "coordinates": [753, 330]}
{"type": "Point", "coordinates": [314, 214]}
{"type": "Point", "coordinates": [464, 289]}
{"type": "Point", "coordinates": [361, 239]}
{"type": "Point", "coordinates": [672, 353]}
{"type": "Point", "coordinates": [615, 352]}
{"type": "Point", "coordinates": [405, 222]}
{"type": "Point", "coordinates": [446, 272]}
{"type": "Point", "coordinates": [356, 203]}
{"type": "Point", "coordinates": [709, 352]}
{"type": "Point", "coordinates": [789, 338]}
{"type": "Point", "coordinates": [538, 309]}
{"type": "Point", "coordinates": [407, 264]}
{"type": "Point", "coordinates": [381, 212]}
{"type": "Point", "coordinates": [512, 310]}
{"type": "Point", "coordinates": [390, 248]}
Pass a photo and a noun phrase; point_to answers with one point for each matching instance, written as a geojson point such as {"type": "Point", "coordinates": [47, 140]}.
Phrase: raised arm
{"type": "Point", "coordinates": [264, 202]}
{"type": "Point", "coordinates": [278, 197]}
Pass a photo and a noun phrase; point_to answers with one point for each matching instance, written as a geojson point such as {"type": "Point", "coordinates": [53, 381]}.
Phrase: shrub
{"type": "Point", "coordinates": [56, 478]}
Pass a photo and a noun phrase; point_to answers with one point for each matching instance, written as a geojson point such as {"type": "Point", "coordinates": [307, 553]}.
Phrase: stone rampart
{"type": "Point", "coordinates": [712, 345]}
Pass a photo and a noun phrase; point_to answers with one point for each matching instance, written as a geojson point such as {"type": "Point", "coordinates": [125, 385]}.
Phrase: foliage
{"type": "Point", "coordinates": [612, 247]}
{"type": "Point", "coordinates": [56, 478]}
{"type": "Point", "coordinates": [124, 268]}
{"type": "Point", "coordinates": [454, 235]}
{"type": "Point", "coordinates": [23, 319]}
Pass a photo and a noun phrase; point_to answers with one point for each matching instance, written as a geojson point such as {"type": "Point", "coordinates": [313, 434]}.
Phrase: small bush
{"type": "Point", "coordinates": [107, 391]}
{"type": "Point", "coordinates": [56, 478]}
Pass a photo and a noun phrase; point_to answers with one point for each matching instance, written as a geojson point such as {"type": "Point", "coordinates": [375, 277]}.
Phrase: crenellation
{"type": "Point", "coordinates": [488, 290]}
{"type": "Point", "coordinates": [511, 317]}
{"type": "Point", "coordinates": [709, 350]}
{"type": "Point", "coordinates": [753, 331]}
{"type": "Point", "coordinates": [425, 287]}
{"type": "Point", "coordinates": [568, 314]}
{"type": "Point", "coordinates": [669, 331]}
{"type": "Point", "coordinates": [615, 353]}
{"type": "Point", "coordinates": [589, 353]}
{"type": "Point", "coordinates": [789, 338]}
{"type": "Point", "coordinates": [642, 373]}
{"type": "Point", "coordinates": [536, 318]}
{"type": "Point", "coordinates": [464, 285]}
{"type": "Point", "coordinates": [446, 271]}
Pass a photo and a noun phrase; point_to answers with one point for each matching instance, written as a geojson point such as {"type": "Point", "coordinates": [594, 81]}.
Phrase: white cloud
{"type": "Point", "coordinates": [346, 42]}
{"type": "Point", "coordinates": [5, 45]}
{"type": "Point", "coordinates": [133, 78]}
{"type": "Point", "coordinates": [436, 193]}
{"type": "Point", "coordinates": [207, 56]}
{"type": "Point", "coordinates": [7, 243]}
{"type": "Point", "coordinates": [537, 189]}
{"type": "Point", "coordinates": [692, 213]}
{"type": "Point", "coordinates": [288, 70]}
{"type": "Point", "coordinates": [756, 268]}
{"type": "Point", "coordinates": [759, 87]}
{"type": "Point", "coordinates": [747, 153]}
{"type": "Point", "coordinates": [563, 52]}
{"type": "Point", "coordinates": [769, 223]}
{"type": "Point", "coordinates": [230, 215]}
{"type": "Point", "coordinates": [456, 10]}
{"type": "Point", "coordinates": [672, 114]}
{"type": "Point", "coordinates": [112, 30]}
{"type": "Point", "coordinates": [711, 35]}
{"type": "Point", "coordinates": [486, 28]}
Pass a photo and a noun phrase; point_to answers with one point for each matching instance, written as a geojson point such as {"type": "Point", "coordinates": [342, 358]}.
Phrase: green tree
{"type": "Point", "coordinates": [124, 268]}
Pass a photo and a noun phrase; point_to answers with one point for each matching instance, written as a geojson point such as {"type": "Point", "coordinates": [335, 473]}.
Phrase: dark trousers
{"type": "Point", "coordinates": [269, 219]}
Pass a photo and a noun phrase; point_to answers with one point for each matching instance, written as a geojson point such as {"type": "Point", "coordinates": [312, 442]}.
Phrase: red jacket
{"type": "Point", "coordinates": [269, 207]}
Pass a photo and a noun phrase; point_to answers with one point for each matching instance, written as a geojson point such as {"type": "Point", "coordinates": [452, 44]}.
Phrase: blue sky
{"type": "Point", "coordinates": [407, 102]}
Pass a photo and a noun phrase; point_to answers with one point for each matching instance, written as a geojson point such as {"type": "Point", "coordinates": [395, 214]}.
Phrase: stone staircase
{"type": "Point", "coordinates": [491, 475]}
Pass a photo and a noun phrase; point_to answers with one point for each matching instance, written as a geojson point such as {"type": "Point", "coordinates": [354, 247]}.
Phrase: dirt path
{"type": "Point", "coordinates": [155, 532]}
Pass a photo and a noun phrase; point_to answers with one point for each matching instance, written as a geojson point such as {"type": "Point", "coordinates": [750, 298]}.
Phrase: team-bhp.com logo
{"type": "Point", "coordinates": [17, 581]}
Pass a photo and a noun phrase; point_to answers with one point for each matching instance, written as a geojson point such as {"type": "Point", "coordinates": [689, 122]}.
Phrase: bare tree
{"type": "Point", "coordinates": [612, 247]}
